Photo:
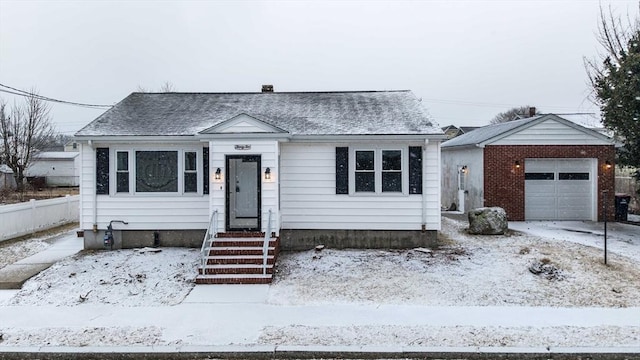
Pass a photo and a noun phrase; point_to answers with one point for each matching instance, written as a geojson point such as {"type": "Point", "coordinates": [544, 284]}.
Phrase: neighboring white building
{"type": "Point", "coordinates": [7, 180]}
{"type": "Point", "coordinates": [59, 168]}
{"type": "Point", "coordinates": [340, 168]}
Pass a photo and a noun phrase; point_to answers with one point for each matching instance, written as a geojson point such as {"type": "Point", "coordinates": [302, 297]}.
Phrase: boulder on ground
{"type": "Point", "coordinates": [488, 221]}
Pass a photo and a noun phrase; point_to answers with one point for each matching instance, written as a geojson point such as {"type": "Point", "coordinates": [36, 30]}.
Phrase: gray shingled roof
{"type": "Point", "coordinates": [298, 113]}
{"type": "Point", "coordinates": [485, 133]}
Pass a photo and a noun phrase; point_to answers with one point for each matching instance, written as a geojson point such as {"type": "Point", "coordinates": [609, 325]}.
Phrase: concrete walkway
{"type": "Point", "coordinates": [230, 318]}
{"type": "Point", "coordinates": [13, 276]}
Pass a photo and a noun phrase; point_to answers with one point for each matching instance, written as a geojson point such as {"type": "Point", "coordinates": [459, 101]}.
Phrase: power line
{"type": "Point", "coordinates": [19, 92]}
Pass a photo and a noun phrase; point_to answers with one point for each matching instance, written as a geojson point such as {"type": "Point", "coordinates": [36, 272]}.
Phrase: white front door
{"type": "Point", "coordinates": [243, 192]}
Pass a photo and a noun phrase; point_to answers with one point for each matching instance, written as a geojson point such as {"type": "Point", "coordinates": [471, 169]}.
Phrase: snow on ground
{"type": "Point", "coordinates": [138, 277]}
{"type": "Point", "coordinates": [622, 239]}
{"type": "Point", "coordinates": [466, 271]}
{"type": "Point", "coordinates": [12, 251]}
{"type": "Point", "coordinates": [90, 336]}
{"type": "Point", "coordinates": [450, 336]}
{"type": "Point", "coordinates": [470, 270]}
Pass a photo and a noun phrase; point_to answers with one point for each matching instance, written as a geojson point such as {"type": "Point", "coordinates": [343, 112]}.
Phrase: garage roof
{"type": "Point", "coordinates": [492, 133]}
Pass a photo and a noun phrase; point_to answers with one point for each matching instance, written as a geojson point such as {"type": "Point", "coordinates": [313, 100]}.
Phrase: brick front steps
{"type": "Point", "coordinates": [238, 260]}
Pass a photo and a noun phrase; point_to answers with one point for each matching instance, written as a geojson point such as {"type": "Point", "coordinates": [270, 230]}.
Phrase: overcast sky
{"type": "Point", "coordinates": [466, 60]}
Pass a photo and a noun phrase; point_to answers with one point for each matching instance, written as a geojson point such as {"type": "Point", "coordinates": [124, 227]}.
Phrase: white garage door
{"type": "Point", "coordinates": [559, 189]}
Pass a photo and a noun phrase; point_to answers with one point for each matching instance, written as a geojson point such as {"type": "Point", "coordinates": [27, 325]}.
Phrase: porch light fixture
{"type": "Point", "coordinates": [267, 174]}
{"type": "Point", "coordinates": [608, 165]}
{"type": "Point", "coordinates": [463, 169]}
{"type": "Point", "coordinates": [517, 164]}
{"type": "Point", "coordinates": [217, 176]}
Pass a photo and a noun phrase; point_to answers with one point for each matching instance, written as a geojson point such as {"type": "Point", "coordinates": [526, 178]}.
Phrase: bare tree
{"type": "Point", "coordinates": [23, 130]}
{"type": "Point", "coordinates": [515, 113]}
{"type": "Point", "coordinates": [613, 35]}
{"type": "Point", "coordinates": [614, 77]}
{"type": "Point", "coordinates": [167, 86]}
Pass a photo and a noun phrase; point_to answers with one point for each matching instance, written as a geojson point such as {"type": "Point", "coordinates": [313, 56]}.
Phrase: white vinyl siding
{"type": "Point", "coordinates": [142, 212]}
{"type": "Point", "coordinates": [453, 159]}
{"type": "Point", "coordinates": [309, 201]}
{"type": "Point", "coordinates": [431, 184]}
{"type": "Point", "coordinates": [268, 152]}
{"type": "Point", "coordinates": [550, 132]}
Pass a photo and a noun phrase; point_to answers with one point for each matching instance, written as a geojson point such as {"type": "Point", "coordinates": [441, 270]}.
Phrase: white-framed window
{"type": "Point", "coordinates": [380, 170]}
{"type": "Point", "coordinates": [365, 172]}
{"type": "Point", "coordinates": [190, 172]}
{"type": "Point", "coordinates": [122, 172]}
{"type": "Point", "coordinates": [157, 171]}
{"type": "Point", "coordinates": [392, 171]}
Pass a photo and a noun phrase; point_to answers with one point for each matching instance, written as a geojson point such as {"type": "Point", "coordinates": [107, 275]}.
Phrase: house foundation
{"type": "Point", "coordinates": [296, 240]}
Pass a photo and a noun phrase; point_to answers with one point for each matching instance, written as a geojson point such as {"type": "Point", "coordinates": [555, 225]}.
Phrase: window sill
{"type": "Point", "coordinates": [372, 194]}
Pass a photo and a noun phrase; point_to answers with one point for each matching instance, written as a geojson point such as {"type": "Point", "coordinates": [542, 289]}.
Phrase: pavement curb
{"type": "Point", "coordinates": [313, 352]}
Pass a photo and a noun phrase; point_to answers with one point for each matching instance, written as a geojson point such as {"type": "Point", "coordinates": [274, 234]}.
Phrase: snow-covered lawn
{"type": "Point", "coordinates": [140, 277]}
{"type": "Point", "coordinates": [12, 251]}
{"type": "Point", "coordinates": [466, 271]}
{"type": "Point", "coordinates": [469, 270]}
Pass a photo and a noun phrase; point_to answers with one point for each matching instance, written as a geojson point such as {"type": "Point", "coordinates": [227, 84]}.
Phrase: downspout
{"type": "Point", "coordinates": [424, 192]}
{"type": "Point", "coordinates": [95, 198]}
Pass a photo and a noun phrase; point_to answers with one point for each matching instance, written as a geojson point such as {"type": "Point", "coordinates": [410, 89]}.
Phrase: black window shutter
{"type": "Point", "coordinates": [342, 170]}
{"type": "Point", "coordinates": [102, 171]}
{"type": "Point", "coordinates": [205, 170]}
{"type": "Point", "coordinates": [415, 169]}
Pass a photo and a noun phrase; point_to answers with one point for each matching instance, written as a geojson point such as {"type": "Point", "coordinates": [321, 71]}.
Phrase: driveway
{"type": "Point", "coordinates": [622, 239]}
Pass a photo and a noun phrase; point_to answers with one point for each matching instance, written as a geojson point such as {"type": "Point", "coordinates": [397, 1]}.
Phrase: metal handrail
{"type": "Point", "coordinates": [265, 247]}
{"type": "Point", "coordinates": [212, 232]}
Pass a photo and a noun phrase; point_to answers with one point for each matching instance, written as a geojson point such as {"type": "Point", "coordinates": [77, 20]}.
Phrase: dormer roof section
{"type": "Point", "coordinates": [243, 124]}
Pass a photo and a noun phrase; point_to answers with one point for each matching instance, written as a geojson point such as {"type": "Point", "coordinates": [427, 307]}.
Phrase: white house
{"type": "Point", "coordinates": [59, 168]}
{"type": "Point", "coordinates": [346, 169]}
{"type": "Point", "coordinates": [540, 168]}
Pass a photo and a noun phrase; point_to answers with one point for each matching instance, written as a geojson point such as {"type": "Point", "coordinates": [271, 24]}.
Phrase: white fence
{"type": "Point", "coordinates": [29, 217]}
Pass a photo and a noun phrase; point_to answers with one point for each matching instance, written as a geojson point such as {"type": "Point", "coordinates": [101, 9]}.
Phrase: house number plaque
{"type": "Point", "coordinates": [243, 147]}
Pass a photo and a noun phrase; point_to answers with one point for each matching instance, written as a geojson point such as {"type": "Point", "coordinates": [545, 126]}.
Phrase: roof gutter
{"type": "Point", "coordinates": [365, 138]}
{"type": "Point", "coordinates": [244, 136]}
{"type": "Point", "coordinates": [136, 138]}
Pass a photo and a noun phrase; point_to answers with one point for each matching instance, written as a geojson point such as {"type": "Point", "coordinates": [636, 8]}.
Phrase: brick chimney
{"type": "Point", "coordinates": [532, 109]}
{"type": "Point", "coordinates": [267, 88]}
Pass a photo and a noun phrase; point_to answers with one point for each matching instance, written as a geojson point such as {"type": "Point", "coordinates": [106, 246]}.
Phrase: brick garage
{"type": "Point", "coordinates": [504, 182]}
{"type": "Point", "coordinates": [487, 167]}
